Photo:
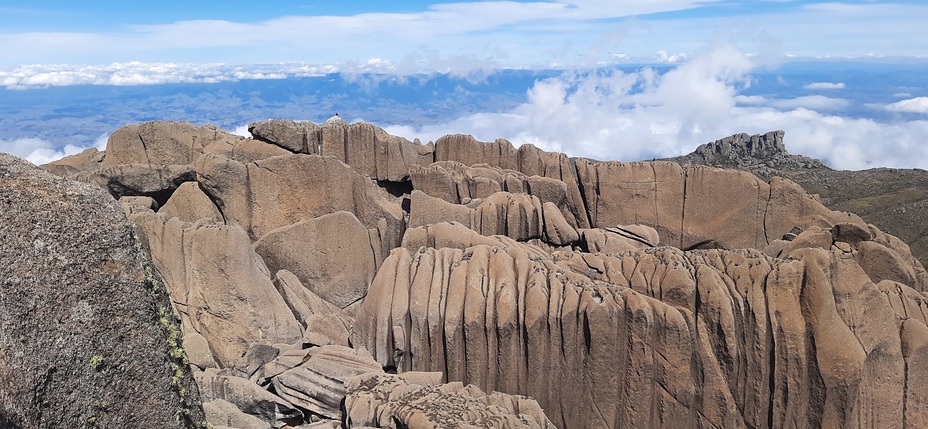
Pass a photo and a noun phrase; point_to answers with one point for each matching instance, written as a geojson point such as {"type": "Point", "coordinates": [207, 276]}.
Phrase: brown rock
{"type": "Point", "coordinates": [161, 143]}
{"type": "Point", "coordinates": [189, 204]}
{"type": "Point", "coordinates": [426, 210]}
{"type": "Point", "coordinates": [219, 286]}
{"type": "Point", "coordinates": [366, 148]}
{"type": "Point", "coordinates": [332, 255]}
{"type": "Point", "coordinates": [223, 413]}
{"type": "Point", "coordinates": [246, 396]}
{"type": "Point", "coordinates": [318, 385]}
{"type": "Point", "coordinates": [557, 328]}
{"type": "Point", "coordinates": [264, 195]}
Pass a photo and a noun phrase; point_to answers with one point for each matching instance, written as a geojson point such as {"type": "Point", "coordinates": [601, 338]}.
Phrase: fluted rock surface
{"type": "Point", "coordinates": [661, 338]}
{"type": "Point", "coordinates": [642, 294]}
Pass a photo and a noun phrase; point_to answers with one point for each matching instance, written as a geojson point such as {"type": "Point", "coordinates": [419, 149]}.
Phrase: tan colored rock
{"type": "Point", "coordinates": [247, 150]}
{"type": "Point", "coordinates": [223, 413]}
{"type": "Point", "coordinates": [458, 183]}
{"type": "Point", "coordinates": [556, 229]}
{"type": "Point", "coordinates": [426, 210]}
{"type": "Point", "coordinates": [558, 327]}
{"type": "Point", "coordinates": [264, 195]}
{"type": "Point", "coordinates": [132, 204]}
{"type": "Point", "coordinates": [440, 235]}
{"type": "Point", "coordinates": [695, 206]}
{"type": "Point", "coordinates": [323, 323]}
{"type": "Point", "coordinates": [518, 216]}
{"type": "Point", "coordinates": [138, 179]}
{"type": "Point", "coordinates": [318, 384]}
{"type": "Point", "coordinates": [161, 143]}
{"type": "Point", "coordinates": [382, 400]}
{"type": "Point", "coordinates": [332, 255]}
{"type": "Point", "coordinates": [219, 286]}
{"type": "Point", "coordinates": [189, 204]}
{"type": "Point", "coordinates": [246, 396]}
{"type": "Point", "coordinates": [365, 147]}
{"type": "Point", "coordinates": [198, 352]}
{"type": "Point", "coordinates": [88, 160]}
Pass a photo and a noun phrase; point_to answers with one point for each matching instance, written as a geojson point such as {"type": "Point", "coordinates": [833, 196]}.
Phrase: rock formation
{"type": "Point", "coordinates": [333, 275]}
{"type": "Point", "coordinates": [892, 199]}
{"type": "Point", "coordinates": [87, 335]}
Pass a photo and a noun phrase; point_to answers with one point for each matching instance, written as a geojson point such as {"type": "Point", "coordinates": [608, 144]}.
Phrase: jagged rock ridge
{"type": "Point", "coordinates": [895, 200]}
{"type": "Point", "coordinates": [571, 286]}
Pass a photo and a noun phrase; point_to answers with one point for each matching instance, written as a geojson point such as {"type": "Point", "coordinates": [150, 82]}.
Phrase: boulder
{"type": "Point", "coordinates": [161, 143]}
{"type": "Point", "coordinates": [264, 195]}
{"type": "Point", "coordinates": [86, 332]}
{"type": "Point", "coordinates": [219, 286]}
{"type": "Point", "coordinates": [246, 396]}
{"type": "Point", "coordinates": [368, 149]}
{"type": "Point", "coordinates": [189, 203]}
{"type": "Point", "coordinates": [331, 255]}
{"type": "Point", "coordinates": [318, 384]}
{"type": "Point", "coordinates": [223, 413]}
{"type": "Point", "coordinates": [323, 323]}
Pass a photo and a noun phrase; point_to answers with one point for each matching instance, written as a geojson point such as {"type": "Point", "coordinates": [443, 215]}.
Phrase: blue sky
{"type": "Point", "coordinates": [500, 33]}
{"type": "Point", "coordinates": [608, 79]}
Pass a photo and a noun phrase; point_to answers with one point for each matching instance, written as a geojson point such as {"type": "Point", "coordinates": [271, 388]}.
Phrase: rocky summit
{"type": "Point", "coordinates": [333, 275]}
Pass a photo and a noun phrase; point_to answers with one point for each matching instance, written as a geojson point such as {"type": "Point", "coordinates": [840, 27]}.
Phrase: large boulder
{"type": "Point", "coordinates": [219, 286]}
{"type": "Point", "coordinates": [87, 338]}
{"type": "Point", "coordinates": [264, 195]}
{"type": "Point", "coordinates": [161, 143]}
{"type": "Point", "coordinates": [332, 255]}
{"type": "Point", "coordinates": [368, 149]}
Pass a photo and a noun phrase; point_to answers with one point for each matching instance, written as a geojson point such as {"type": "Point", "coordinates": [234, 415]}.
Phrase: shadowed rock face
{"type": "Point", "coordinates": [308, 261]}
{"type": "Point", "coordinates": [87, 338]}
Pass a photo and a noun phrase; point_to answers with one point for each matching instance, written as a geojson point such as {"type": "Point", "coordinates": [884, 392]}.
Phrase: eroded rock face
{"type": "Point", "coordinates": [332, 255]}
{"type": "Point", "coordinates": [658, 338]}
{"type": "Point", "coordinates": [85, 326]}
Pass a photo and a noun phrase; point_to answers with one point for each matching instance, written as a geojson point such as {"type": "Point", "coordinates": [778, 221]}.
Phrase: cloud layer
{"type": "Point", "coordinates": [39, 151]}
{"type": "Point", "coordinates": [136, 73]}
{"type": "Point", "coordinates": [644, 115]}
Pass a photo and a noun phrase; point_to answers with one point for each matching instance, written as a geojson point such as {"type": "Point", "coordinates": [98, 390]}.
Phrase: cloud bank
{"type": "Point", "coordinates": [136, 73]}
{"type": "Point", "coordinates": [643, 115]}
{"type": "Point", "coordinates": [911, 105]}
{"type": "Point", "coordinates": [39, 151]}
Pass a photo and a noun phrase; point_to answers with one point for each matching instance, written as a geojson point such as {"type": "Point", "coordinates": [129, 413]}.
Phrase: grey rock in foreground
{"type": "Point", "coordinates": [87, 338]}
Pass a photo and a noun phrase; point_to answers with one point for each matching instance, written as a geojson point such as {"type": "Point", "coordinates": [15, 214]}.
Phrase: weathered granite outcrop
{"type": "Point", "coordinates": [87, 338]}
{"type": "Point", "coordinates": [368, 149]}
{"type": "Point", "coordinates": [643, 294]}
{"type": "Point", "coordinates": [382, 400]}
{"type": "Point", "coordinates": [657, 338]}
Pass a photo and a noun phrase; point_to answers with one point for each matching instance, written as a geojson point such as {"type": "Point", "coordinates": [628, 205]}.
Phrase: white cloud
{"type": "Point", "coordinates": [137, 73]}
{"type": "Point", "coordinates": [911, 105]}
{"type": "Point", "coordinates": [603, 115]}
{"type": "Point", "coordinates": [39, 151]}
{"type": "Point", "coordinates": [812, 102]}
{"type": "Point", "coordinates": [825, 85]}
